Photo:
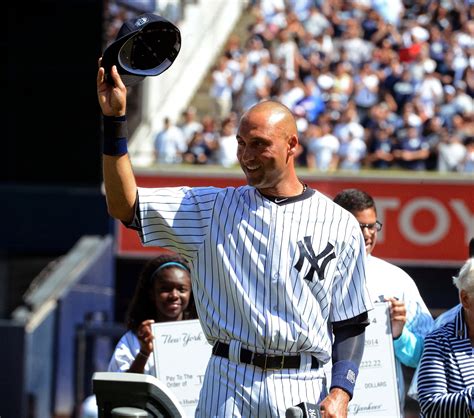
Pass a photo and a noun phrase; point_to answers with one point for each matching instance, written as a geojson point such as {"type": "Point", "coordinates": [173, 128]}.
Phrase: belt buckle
{"type": "Point", "coordinates": [279, 367]}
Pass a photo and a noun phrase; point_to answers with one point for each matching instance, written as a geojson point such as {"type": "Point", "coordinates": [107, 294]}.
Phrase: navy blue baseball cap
{"type": "Point", "coordinates": [145, 45]}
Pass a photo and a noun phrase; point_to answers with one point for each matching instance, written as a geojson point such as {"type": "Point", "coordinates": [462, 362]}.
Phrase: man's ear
{"type": "Point", "coordinates": [292, 144]}
{"type": "Point", "coordinates": [465, 299]}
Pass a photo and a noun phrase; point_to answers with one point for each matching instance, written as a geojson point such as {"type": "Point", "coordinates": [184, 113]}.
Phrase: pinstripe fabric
{"type": "Point", "coordinates": [446, 373]}
{"type": "Point", "coordinates": [239, 390]}
{"type": "Point", "coordinates": [442, 319]}
{"type": "Point", "coordinates": [249, 275]}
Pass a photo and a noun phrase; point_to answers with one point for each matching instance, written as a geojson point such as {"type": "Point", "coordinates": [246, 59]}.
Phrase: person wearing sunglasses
{"type": "Point", "coordinates": [410, 318]}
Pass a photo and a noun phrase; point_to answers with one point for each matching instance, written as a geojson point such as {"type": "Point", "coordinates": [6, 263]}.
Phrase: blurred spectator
{"type": "Point", "coordinates": [463, 102]}
{"type": "Point", "coordinates": [343, 81]}
{"type": "Point", "coordinates": [410, 119]}
{"type": "Point", "coordinates": [325, 45]}
{"type": "Point", "coordinates": [316, 24]}
{"type": "Point", "coordinates": [209, 130]}
{"type": "Point", "coordinates": [469, 77]}
{"type": "Point", "coordinates": [380, 154]}
{"type": "Point", "coordinates": [273, 12]}
{"type": "Point", "coordinates": [312, 101]}
{"type": "Point", "coordinates": [371, 24]}
{"type": "Point", "coordinates": [390, 10]}
{"type": "Point", "coordinates": [323, 147]}
{"type": "Point", "coordinates": [347, 124]}
{"type": "Point", "coordinates": [199, 150]}
{"type": "Point", "coordinates": [451, 152]}
{"type": "Point", "coordinates": [256, 51]}
{"type": "Point", "coordinates": [380, 117]}
{"type": "Point", "coordinates": [291, 92]}
{"type": "Point", "coordinates": [412, 151]}
{"type": "Point", "coordinates": [301, 8]}
{"type": "Point", "coordinates": [294, 26]}
{"type": "Point", "coordinates": [256, 86]}
{"type": "Point", "coordinates": [430, 90]}
{"type": "Point", "coordinates": [233, 49]}
{"type": "Point", "coordinates": [287, 54]}
{"type": "Point", "coordinates": [366, 92]}
{"type": "Point", "coordinates": [170, 144]}
{"type": "Point", "coordinates": [463, 125]}
{"type": "Point", "coordinates": [467, 165]}
{"type": "Point", "coordinates": [438, 45]}
{"type": "Point", "coordinates": [401, 64]}
{"type": "Point", "coordinates": [189, 125]}
{"type": "Point", "coordinates": [358, 49]}
{"type": "Point", "coordinates": [385, 36]}
{"type": "Point", "coordinates": [433, 132]}
{"type": "Point", "coordinates": [221, 89]}
{"type": "Point", "coordinates": [448, 108]}
{"type": "Point", "coordinates": [352, 150]}
{"type": "Point", "coordinates": [403, 90]}
{"type": "Point", "coordinates": [226, 152]}
{"type": "Point", "coordinates": [269, 69]}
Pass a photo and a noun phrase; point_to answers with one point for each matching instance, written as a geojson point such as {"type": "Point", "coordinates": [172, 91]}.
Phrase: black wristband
{"type": "Point", "coordinates": [115, 135]}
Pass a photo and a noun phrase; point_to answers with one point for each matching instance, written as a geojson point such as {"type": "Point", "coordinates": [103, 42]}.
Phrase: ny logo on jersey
{"type": "Point", "coordinates": [306, 251]}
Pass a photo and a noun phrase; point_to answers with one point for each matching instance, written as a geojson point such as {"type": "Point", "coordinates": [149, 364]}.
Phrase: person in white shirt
{"type": "Point", "coordinates": [323, 148]}
{"type": "Point", "coordinates": [352, 153]}
{"type": "Point", "coordinates": [451, 153]}
{"type": "Point", "coordinates": [170, 144]}
{"type": "Point", "coordinates": [256, 86]}
{"type": "Point", "coordinates": [410, 318]}
{"type": "Point", "coordinates": [162, 294]}
{"type": "Point", "coordinates": [226, 153]}
{"type": "Point", "coordinates": [221, 88]}
{"type": "Point", "coordinates": [190, 125]}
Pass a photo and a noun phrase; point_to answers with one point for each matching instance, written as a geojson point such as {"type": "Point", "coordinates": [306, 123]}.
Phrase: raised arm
{"type": "Point", "coordinates": [119, 180]}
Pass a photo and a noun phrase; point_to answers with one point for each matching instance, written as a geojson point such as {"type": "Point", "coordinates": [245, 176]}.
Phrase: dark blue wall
{"type": "Point", "coordinates": [13, 394]}
{"type": "Point", "coordinates": [38, 354]}
{"type": "Point", "coordinates": [93, 294]}
{"type": "Point", "coordinates": [46, 219]}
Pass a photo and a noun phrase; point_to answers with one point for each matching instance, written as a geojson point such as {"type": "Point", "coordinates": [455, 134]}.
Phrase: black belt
{"type": "Point", "coordinates": [264, 361]}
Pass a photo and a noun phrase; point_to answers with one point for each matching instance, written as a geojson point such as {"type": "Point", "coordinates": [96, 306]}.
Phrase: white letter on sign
{"type": "Point", "coordinates": [383, 204]}
{"type": "Point", "coordinates": [466, 218]}
{"type": "Point", "coordinates": [441, 222]}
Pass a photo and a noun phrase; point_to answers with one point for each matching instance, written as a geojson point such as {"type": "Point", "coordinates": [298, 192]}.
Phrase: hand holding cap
{"type": "Point", "coordinates": [145, 45]}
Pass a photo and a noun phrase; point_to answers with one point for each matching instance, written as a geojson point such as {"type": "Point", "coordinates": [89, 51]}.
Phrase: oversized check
{"type": "Point", "coordinates": [376, 390]}
{"type": "Point", "coordinates": [181, 354]}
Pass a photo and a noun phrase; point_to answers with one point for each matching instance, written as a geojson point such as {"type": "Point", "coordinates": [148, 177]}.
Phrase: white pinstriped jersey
{"type": "Point", "coordinates": [270, 276]}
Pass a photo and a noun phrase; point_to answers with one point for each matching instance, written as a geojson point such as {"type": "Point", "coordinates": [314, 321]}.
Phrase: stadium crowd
{"type": "Point", "coordinates": [372, 83]}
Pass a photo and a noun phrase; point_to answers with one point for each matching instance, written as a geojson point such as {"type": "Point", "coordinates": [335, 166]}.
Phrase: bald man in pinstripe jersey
{"type": "Point", "coordinates": [278, 268]}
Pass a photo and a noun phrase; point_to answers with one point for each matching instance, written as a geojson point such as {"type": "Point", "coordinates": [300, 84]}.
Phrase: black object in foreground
{"type": "Point", "coordinates": [132, 390]}
{"type": "Point", "coordinates": [303, 410]}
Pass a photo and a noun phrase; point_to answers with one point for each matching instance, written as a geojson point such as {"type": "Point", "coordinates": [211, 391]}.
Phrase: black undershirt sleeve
{"type": "Point", "coordinates": [349, 339]}
{"type": "Point", "coordinates": [347, 350]}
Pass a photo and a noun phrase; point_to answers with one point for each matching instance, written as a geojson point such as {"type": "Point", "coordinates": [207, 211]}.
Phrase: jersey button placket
{"type": "Point", "coordinates": [271, 277]}
{"type": "Point", "coordinates": [275, 279]}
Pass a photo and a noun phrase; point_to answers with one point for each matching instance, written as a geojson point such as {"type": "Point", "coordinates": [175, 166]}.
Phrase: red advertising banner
{"type": "Point", "coordinates": [425, 221]}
